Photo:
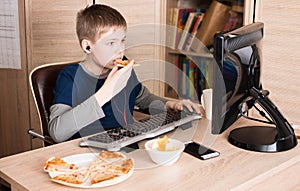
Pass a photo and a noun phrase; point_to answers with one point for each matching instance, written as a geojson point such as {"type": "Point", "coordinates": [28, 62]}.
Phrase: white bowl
{"type": "Point", "coordinates": [173, 150]}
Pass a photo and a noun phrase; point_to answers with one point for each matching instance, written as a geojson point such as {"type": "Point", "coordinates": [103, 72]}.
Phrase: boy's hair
{"type": "Point", "coordinates": [96, 19]}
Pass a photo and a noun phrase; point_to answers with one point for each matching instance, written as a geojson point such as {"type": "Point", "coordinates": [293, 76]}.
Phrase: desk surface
{"type": "Point", "coordinates": [234, 169]}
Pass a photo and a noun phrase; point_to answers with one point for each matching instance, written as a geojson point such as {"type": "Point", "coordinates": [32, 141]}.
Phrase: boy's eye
{"type": "Point", "coordinates": [111, 43]}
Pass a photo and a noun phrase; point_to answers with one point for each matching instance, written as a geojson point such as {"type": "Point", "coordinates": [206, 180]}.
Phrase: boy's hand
{"type": "Point", "coordinates": [179, 105]}
{"type": "Point", "coordinates": [115, 82]}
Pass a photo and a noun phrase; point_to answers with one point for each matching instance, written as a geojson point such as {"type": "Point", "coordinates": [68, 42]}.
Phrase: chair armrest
{"type": "Point", "coordinates": [39, 136]}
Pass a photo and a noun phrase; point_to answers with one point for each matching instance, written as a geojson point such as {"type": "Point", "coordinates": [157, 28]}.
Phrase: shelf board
{"type": "Point", "coordinates": [203, 53]}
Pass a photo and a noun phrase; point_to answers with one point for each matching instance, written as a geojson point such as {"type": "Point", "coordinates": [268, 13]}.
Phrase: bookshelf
{"type": "Point", "coordinates": [188, 70]}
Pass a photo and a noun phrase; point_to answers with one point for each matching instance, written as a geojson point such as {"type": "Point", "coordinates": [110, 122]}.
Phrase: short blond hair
{"type": "Point", "coordinates": [96, 19]}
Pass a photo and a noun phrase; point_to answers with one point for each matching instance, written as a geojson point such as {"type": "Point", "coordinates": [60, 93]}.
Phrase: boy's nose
{"type": "Point", "coordinates": [121, 50]}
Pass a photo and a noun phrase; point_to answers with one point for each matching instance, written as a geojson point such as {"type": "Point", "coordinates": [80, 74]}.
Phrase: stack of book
{"type": "Point", "coordinates": [187, 24]}
{"type": "Point", "coordinates": [192, 76]}
{"type": "Point", "coordinates": [184, 23]}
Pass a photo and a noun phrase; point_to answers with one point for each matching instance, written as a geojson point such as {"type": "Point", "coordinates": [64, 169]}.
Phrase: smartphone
{"type": "Point", "coordinates": [200, 151]}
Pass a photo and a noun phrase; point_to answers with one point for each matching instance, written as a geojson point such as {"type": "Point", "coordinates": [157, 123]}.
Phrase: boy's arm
{"type": "Point", "coordinates": [65, 121]}
{"type": "Point", "coordinates": [146, 100]}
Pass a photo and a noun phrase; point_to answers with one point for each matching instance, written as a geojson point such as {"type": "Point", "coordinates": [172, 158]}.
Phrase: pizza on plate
{"type": "Point", "coordinates": [106, 166]}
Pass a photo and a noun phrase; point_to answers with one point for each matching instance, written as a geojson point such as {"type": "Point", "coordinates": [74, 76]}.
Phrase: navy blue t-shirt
{"type": "Point", "coordinates": [74, 85]}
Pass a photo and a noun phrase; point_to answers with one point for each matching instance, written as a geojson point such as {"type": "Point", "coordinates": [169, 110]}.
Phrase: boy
{"type": "Point", "coordinates": [94, 95]}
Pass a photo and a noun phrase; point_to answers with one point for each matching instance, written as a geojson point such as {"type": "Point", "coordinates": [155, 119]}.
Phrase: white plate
{"type": "Point", "coordinates": [85, 160]}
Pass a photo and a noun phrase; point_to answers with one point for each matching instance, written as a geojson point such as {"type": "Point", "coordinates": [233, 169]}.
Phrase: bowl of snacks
{"type": "Point", "coordinates": [164, 151]}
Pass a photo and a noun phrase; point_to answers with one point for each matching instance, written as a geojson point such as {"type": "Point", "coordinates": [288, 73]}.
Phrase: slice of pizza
{"type": "Point", "coordinates": [123, 63]}
{"type": "Point", "coordinates": [104, 159]}
{"type": "Point", "coordinates": [55, 164]}
{"type": "Point", "coordinates": [117, 168]}
{"type": "Point", "coordinates": [76, 178]}
{"type": "Point", "coordinates": [124, 167]}
{"type": "Point", "coordinates": [97, 176]}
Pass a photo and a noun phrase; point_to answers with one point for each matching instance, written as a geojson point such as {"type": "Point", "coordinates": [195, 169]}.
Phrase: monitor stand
{"type": "Point", "coordinates": [265, 138]}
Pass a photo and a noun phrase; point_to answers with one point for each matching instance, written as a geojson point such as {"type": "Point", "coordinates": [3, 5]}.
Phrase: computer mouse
{"type": "Point", "coordinates": [188, 112]}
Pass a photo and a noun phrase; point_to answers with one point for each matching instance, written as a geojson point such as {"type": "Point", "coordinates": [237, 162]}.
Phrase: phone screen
{"type": "Point", "coordinates": [200, 151]}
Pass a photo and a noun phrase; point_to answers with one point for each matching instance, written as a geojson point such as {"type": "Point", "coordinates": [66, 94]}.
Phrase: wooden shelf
{"type": "Point", "coordinates": [205, 53]}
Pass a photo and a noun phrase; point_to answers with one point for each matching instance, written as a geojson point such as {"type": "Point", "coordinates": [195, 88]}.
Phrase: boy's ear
{"type": "Point", "coordinates": [85, 44]}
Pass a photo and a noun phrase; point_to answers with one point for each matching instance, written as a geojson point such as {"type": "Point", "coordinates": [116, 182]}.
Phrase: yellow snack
{"type": "Point", "coordinates": [161, 143]}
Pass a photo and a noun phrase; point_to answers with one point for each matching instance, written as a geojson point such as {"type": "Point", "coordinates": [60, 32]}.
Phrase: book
{"type": "Point", "coordinates": [184, 78]}
{"type": "Point", "coordinates": [191, 79]}
{"type": "Point", "coordinates": [189, 25]}
{"type": "Point", "coordinates": [235, 20]}
{"type": "Point", "coordinates": [214, 21]}
{"type": "Point", "coordinates": [197, 79]}
{"type": "Point", "coordinates": [170, 31]}
{"type": "Point", "coordinates": [179, 74]}
{"type": "Point", "coordinates": [193, 32]}
{"type": "Point", "coordinates": [179, 18]}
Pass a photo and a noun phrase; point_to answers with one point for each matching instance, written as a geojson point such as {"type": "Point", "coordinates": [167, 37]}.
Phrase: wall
{"type": "Point", "coordinates": [281, 55]}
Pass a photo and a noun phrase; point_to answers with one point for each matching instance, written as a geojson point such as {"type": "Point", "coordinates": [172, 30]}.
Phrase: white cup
{"type": "Point", "coordinates": [206, 100]}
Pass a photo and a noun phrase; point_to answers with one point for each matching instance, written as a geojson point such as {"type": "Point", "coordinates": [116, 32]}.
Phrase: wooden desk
{"type": "Point", "coordinates": [234, 169]}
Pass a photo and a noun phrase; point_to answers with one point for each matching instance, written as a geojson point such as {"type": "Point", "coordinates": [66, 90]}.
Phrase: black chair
{"type": "Point", "coordinates": [42, 82]}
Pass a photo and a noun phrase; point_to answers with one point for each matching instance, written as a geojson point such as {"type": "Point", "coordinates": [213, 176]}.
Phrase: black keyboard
{"type": "Point", "coordinates": [155, 125]}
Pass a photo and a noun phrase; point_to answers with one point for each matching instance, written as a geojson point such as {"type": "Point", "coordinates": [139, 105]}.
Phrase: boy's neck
{"type": "Point", "coordinates": [93, 67]}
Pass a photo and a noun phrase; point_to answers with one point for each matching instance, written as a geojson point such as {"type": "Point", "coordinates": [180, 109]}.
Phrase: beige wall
{"type": "Point", "coordinates": [281, 55]}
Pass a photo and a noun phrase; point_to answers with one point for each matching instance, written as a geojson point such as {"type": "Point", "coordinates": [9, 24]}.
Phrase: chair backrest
{"type": "Point", "coordinates": [42, 82]}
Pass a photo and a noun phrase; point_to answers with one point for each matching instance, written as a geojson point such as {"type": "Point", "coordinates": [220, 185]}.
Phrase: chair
{"type": "Point", "coordinates": [42, 82]}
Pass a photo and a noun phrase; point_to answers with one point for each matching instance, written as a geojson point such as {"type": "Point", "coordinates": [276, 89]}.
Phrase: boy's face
{"type": "Point", "coordinates": [109, 47]}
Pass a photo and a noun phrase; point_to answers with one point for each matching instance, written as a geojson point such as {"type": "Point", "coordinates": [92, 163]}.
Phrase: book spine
{"type": "Point", "coordinates": [202, 80]}
{"type": "Point", "coordinates": [197, 83]}
{"type": "Point", "coordinates": [184, 78]}
{"type": "Point", "coordinates": [173, 28]}
{"type": "Point", "coordinates": [177, 70]}
{"type": "Point", "coordinates": [186, 30]}
{"type": "Point", "coordinates": [180, 16]}
{"type": "Point", "coordinates": [180, 76]}
{"type": "Point", "coordinates": [192, 34]}
{"type": "Point", "coordinates": [187, 81]}
{"type": "Point", "coordinates": [191, 79]}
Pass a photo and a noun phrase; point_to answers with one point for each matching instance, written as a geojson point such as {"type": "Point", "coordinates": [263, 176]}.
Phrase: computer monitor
{"type": "Point", "coordinates": [237, 88]}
